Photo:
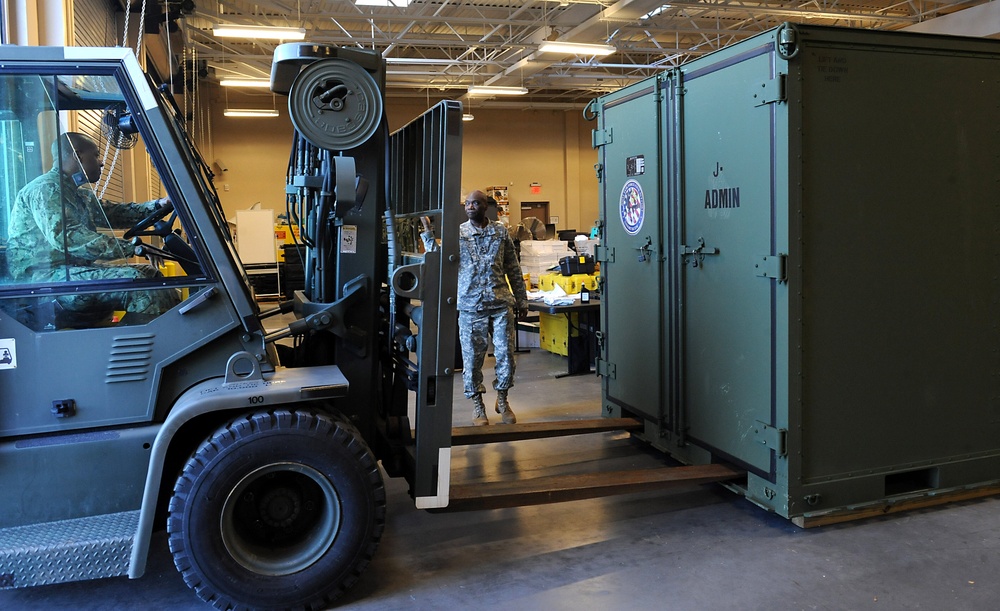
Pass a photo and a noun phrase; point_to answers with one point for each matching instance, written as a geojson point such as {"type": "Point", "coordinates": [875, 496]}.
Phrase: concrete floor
{"type": "Point", "coordinates": [691, 549]}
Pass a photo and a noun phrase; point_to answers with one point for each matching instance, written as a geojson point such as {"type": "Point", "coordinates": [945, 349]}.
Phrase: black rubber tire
{"type": "Point", "coordinates": [278, 509]}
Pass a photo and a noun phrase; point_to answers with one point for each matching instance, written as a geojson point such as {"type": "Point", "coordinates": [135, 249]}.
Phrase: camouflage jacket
{"type": "Point", "coordinates": [37, 238]}
{"type": "Point", "coordinates": [488, 262]}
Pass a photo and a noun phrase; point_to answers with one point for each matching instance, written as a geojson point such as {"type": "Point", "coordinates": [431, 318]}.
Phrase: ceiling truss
{"type": "Point", "coordinates": [437, 48]}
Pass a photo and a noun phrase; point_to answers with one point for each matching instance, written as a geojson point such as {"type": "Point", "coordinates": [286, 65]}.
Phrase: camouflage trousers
{"type": "Point", "coordinates": [150, 302]}
{"type": "Point", "coordinates": [473, 333]}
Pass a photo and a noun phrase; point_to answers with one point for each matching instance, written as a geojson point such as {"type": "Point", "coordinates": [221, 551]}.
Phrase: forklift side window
{"type": "Point", "coordinates": [76, 178]}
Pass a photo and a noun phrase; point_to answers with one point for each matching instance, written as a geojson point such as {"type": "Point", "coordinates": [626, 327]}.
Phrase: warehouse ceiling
{"type": "Point", "coordinates": [437, 48]}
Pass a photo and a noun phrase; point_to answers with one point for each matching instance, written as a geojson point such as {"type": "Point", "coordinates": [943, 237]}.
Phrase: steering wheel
{"type": "Point", "coordinates": [147, 226]}
{"type": "Point", "coordinates": [174, 247]}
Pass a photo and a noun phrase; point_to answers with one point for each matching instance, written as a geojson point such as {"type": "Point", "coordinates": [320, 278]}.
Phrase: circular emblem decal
{"type": "Point", "coordinates": [632, 207]}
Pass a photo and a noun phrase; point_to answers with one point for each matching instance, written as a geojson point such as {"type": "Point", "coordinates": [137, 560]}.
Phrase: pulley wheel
{"type": "Point", "coordinates": [335, 104]}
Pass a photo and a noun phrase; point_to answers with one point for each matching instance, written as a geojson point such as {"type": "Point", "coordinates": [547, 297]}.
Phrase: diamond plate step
{"type": "Point", "coordinates": [68, 550]}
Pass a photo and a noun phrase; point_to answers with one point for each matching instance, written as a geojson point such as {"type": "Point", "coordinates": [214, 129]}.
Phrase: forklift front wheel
{"type": "Point", "coordinates": [277, 509]}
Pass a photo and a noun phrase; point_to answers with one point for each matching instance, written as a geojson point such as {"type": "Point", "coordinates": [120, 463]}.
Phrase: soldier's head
{"type": "Point", "coordinates": [78, 157]}
{"type": "Point", "coordinates": [476, 204]}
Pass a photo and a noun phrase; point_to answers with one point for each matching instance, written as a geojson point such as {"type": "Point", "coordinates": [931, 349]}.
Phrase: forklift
{"type": "Point", "coordinates": [257, 450]}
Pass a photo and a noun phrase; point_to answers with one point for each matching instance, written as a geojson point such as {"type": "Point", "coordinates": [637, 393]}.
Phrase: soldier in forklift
{"type": "Point", "coordinates": [490, 293]}
{"type": "Point", "coordinates": [54, 235]}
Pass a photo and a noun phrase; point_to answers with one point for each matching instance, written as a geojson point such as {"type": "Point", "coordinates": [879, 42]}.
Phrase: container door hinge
{"type": "Point", "coordinates": [770, 91]}
{"type": "Point", "coordinates": [600, 137]}
{"type": "Point", "coordinates": [770, 266]}
{"type": "Point", "coordinates": [603, 254]}
{"type": "Point", "coordinates": [770, 436]}
{"type": "Point", "coordinates": [606, 369]}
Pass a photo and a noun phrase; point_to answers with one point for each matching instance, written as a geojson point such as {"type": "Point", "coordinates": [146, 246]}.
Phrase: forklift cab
{"type": "Point", "coordinates": [57, 272]}
{"type": "Point", "coordinates": [62, 309]}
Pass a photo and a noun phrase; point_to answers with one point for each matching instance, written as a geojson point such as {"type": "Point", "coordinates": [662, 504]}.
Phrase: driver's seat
{"type": "Point", "coordinates": [175, 245]}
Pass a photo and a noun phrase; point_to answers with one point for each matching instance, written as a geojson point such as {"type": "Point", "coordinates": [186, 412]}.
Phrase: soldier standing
{"type": "Point", "coordinates": [490, 290]}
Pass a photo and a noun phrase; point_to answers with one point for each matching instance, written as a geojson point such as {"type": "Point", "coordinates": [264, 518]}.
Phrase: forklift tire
{"type": "Point", "coordinates": [278, 509]}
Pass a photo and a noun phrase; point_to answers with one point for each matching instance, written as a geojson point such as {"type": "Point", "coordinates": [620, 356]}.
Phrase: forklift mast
{"type": "Point", "coordinates": [356, 194]}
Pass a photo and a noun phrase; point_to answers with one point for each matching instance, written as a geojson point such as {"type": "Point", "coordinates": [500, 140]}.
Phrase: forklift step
{"type": "Point", "coordinates": [561, 488]}
{"type": "Point", "coordinates": [472, 435]}
{"type": "Point", "coordinates": [68, 550]}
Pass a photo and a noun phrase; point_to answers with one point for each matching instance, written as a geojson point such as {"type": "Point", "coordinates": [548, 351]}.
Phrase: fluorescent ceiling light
{"type": "Point", "coordinates": [494, 90]}
{"type": "Point", "coordinates": [577, 48]}
{"type": "Point", "coordinates": [396, 3]}
{"type": "Point", "coordinates": [468, 117]}
{"type": "Point", "coordinates": [250, 112]}
{"type": "Point", "coordinates": [421, 61]}
{"type": "Point", "coordinates": [259, 31]}
{"type": "Point", "coordinates": [245, 82]}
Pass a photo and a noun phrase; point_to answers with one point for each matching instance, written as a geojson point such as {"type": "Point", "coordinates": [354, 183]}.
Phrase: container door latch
{"type": "Point", "coordinates": [646, 250]}
{"type": "Point", "coordinates": [697, 253]}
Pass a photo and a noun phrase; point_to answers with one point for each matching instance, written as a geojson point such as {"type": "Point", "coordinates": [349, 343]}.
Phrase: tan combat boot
{"type": "Point", "coordinates": [503, 408]}
{"type": "Point", "coordinates": [479, 411]}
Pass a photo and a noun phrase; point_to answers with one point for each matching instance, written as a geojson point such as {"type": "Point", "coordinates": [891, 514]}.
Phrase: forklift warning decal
{"type": "Point", "coordinates": [632, 207]}
{"type": "Point", "coordinates": [8, 354]}
{"type": "Point", "coordinates": [349, 239]}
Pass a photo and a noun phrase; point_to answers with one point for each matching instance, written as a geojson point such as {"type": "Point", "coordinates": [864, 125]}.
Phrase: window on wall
{"type": "Point", "coordinates": [95, 23]}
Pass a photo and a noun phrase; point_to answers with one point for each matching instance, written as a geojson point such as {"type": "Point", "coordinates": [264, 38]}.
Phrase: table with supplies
{"type": "Point", "coordinates": [570, 330]}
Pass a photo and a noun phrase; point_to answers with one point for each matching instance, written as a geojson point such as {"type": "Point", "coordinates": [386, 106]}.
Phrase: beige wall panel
{"type": "Point", "coordinates": [501, 147]}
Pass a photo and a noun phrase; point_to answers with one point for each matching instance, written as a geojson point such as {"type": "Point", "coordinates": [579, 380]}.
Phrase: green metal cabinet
{"type": "Point", "coordinates": [813, 293]}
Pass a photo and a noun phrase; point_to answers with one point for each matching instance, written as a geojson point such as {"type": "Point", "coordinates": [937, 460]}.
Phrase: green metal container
{"type": "Point", "coordinates": [801, 248]}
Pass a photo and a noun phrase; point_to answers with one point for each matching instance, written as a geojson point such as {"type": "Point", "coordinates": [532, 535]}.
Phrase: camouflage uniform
{"type": "Point", "coordinates": [54, 238]}
{"type": "Point", "coordinates": [488, 262]}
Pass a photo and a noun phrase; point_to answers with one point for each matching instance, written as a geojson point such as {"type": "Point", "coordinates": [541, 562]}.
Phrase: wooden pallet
{"type": "Point", "coordinates": [889, 506]}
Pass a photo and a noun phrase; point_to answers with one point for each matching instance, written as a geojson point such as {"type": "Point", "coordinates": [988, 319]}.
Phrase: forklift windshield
{"type": "Point", "coordinates": [85, 219]}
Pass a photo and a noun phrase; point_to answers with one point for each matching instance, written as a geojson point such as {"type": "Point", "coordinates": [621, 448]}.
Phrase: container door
{"type": "Point", "coordinates": [631, 252]}
{"type": "Point", "coordinates": [727, 234]}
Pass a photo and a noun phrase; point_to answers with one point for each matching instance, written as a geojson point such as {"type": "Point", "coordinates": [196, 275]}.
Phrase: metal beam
{"type": "Point", "coordinates": [454, 43]}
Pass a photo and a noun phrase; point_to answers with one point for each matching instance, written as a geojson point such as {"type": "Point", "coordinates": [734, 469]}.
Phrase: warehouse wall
{"type": "Point", "coordinates": [501, 147]}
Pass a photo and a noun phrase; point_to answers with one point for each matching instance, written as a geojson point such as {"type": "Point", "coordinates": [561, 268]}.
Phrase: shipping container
{"type": "Point", "coordinates": [800, 246]}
